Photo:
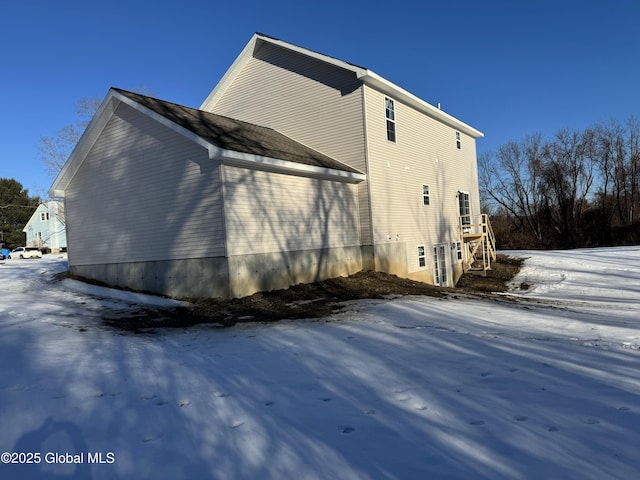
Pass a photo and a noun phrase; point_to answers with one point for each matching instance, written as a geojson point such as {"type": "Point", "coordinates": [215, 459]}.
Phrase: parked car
{"type": "Point", "coordinates": [25, 252]}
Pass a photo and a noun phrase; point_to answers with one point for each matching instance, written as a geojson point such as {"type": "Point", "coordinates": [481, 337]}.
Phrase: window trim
{"type": "Point", "coordinates": [464, 209]}
{"type": "Point", "coordinates": [426, 197]}
{"type": "Point", "coordinates": [422, 257]}
{"type": "Point", "coordinates": [390, 118]}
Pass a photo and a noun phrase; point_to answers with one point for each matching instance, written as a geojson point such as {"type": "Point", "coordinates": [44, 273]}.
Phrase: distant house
{"type": "Point", "coordinates": [297, 167]}
{"type": "Point", "coordinates": [46, 229]}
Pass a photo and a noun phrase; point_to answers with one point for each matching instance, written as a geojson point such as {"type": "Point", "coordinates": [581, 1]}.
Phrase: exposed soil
{"type": "Point", "coordinates": [313, 300]}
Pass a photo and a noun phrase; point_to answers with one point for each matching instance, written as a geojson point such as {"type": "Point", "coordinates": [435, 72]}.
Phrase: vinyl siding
{"type": "Point", "coordinates": [270, 212]}
{"type": "Point", "coordinates": [143, 193]}
{"type": "Point", "coordinates": [424, 153]}
{"type": "Point", "coordinates": [314, 103]}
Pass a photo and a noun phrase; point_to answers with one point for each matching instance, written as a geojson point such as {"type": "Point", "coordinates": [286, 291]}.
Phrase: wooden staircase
{"type": "Point", "coordinates": [479, 243]}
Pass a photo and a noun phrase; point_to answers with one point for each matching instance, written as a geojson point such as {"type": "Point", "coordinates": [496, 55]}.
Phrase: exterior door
{"type": "Point", "coordinates": [465, 208]}
{"type": "Point", "coordinates": [440, 265]}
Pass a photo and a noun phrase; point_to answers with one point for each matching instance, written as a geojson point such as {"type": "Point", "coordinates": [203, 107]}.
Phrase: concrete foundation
{"type": "Point", "coordinates": [221, 277]}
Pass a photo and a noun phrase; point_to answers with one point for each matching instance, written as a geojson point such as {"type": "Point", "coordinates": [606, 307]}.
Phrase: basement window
{"type": "Point", "coordinates": [390, 114]}
{"type": "Point", "coordinates": [422, 258]}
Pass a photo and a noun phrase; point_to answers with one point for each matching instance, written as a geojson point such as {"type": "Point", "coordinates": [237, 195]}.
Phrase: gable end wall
{"type": "Point", "coordinates": [144, 193]}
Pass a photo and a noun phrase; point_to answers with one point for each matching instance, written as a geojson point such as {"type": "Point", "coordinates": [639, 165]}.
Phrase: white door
{"type": "Point", "coordinates": [440, 265]}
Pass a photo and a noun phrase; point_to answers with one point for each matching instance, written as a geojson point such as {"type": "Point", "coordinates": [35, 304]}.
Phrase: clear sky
{"type": "Point", "coordinates": [507, 67]}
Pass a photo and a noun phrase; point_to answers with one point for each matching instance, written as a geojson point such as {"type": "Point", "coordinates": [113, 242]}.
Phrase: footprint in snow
{"type": "Point", "coordinates": [476, 423]}
{"type": "Point", "coordinates": [591, 421]}
{"type": "Point", "coordinates": [486, 374]}
{"type": "Point", "coordinates": [421, 407]}
{"type": "Point", "coordinates": [513, 370]}
{"type": "Point", "coordinates": [269, 403]}
{"type": "Point", "coordinates": [222, 394]}
{"type": "Point", "coordinates": [150, 437]}
{"type": "Point", "coordinates": [326, 399]}
{"type": "Point", "coordinates": [346, 429]}
{"type": "Point", "coordinates": [183, 403]}
{"type": "Point", "coordinates": [370, 412]}
{"type": "Point", "coordinates": [553, 429]}
{"type": "Point", "coordinates": [520, 418]}
{"type": "Point", "coordinates": [623, 409]}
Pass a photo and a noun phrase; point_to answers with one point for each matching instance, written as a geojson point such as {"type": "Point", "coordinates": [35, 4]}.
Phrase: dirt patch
{"type": "Point", "coordinates": [496, 280]}
{"type": "Point", "coordinates": [314, 300]}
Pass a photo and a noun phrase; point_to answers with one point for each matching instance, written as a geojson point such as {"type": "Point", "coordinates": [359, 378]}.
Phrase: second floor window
{"type": "Point", "coordinates": [390, 114]}
{"type": "Point", "coordinates": [425, 194]}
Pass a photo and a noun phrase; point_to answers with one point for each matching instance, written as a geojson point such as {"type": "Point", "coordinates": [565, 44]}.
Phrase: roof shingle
{"type": "Point", "coordinates": [236, 135]}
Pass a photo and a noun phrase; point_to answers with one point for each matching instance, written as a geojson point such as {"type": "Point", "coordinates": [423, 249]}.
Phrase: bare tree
{"type": "Point", "coordinates": [568, 176]}
{"type": "Point", "coordinates": [55, 149]}
{"type": "Point", "coordinates": [512, 179]}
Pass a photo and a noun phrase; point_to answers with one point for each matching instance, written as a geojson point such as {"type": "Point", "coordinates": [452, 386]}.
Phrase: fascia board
{"type": "Point", "coordinates": [89, 136]}
{"type": "Point", "coordinates": [379, 83]}
{"type": "Point", "coordinates": [163, 121]}
{"type": "Point", "coordinates": [276, 165]}
{"type": "Point", "coordinates": [247, 54]}
{"type": "Point", "coordinates": [232, 72]}
{"type": "Point", "coordinates": [318, 56]}
{"type": "Point", "coordinates": [95, 127]}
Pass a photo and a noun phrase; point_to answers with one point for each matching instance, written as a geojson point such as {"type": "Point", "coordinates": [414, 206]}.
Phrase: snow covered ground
{"type": "Point", "coordinates": [547, 386]}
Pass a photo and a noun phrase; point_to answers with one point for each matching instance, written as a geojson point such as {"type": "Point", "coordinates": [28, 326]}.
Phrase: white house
{"type": "Point", "coordinates": [297, 167]}
{"type": "Point", "coordinates": [46, 228]}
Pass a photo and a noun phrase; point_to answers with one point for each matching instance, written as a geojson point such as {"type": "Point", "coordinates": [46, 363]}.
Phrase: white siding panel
{"type": "Point", "coordinates": [314, 103]}
{"type": "Point", "coordinates": [268, 212]}
{"type": "Point", "coordinates": [144, 193]}
{"type": "Point", "coordinates": [424, 152]}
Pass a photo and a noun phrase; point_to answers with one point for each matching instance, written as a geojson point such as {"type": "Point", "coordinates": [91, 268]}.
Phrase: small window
{"type": "Point", "coordinates": [459, 249]}
{"type": "Point", "coordinates": [390, 114]}
{"type": "Point", "coordinates": [422, 259]}
{"type": "Point", "coordinates": [458, 141]}
{"type": "Point", "coordinates": [425, 194]}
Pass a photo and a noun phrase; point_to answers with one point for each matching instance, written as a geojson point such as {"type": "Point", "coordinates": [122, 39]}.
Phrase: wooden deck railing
{"type": "Point", "coordinates": [479, 243]}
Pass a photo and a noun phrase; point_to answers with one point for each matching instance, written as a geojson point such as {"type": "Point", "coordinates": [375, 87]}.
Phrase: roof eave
{"type": "Point", "coordinates": [379, 83]}
{"type": "Point", "coordinates": [276, 165]}
{"type": "Point", "coordinates": [84, 145]}
{"type": "Point", "coordinates": [366, 76]}
{"type": "Point", "coordinates": [246, 54]}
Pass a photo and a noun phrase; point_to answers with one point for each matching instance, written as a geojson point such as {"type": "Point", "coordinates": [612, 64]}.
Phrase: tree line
{"type": "Point", "coordinates": [579, 188]}
{"type": "Point", "coordinates": [16, 208]}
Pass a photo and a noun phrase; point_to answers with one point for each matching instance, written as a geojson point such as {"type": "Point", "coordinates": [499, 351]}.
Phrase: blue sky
{"type": "Point", "coordinates": [508, 68]}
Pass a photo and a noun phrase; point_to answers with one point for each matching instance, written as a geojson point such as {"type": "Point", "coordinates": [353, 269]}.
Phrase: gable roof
{"type": "Point", "coordinates": [365, 75]}
{"type": "Point", "coordinates": [232, 141]}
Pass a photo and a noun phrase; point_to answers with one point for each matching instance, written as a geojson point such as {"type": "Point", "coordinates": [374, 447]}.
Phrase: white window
{"type": "Point", "coordinates": [458, 141]}
{"type": "Point", "coordinates": [390, 114]}
{"type": "Point", "coordinates": [425, 194]}
{"type": "Point", "coordinates": [465, 208]}
{"type": "Point", "coordinates": [459, 250]}
{"type": "Point", "coordinates": [422, 258]}
{"type": "Point", "coordinates": [44, 216]}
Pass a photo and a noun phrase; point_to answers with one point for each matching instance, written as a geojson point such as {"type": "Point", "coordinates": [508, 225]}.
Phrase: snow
{"type": "Point", "coordinates": [540, 383]}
